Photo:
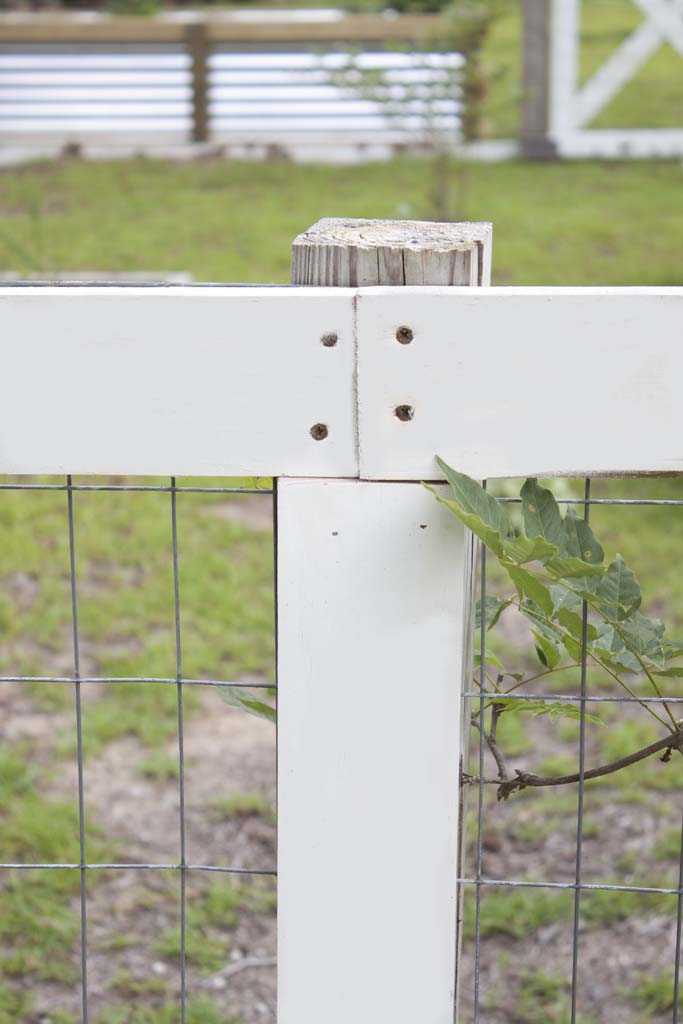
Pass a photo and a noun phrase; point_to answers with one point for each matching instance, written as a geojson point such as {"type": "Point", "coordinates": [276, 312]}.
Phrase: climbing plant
{"type": "Point", "coordinates": [581, 609]}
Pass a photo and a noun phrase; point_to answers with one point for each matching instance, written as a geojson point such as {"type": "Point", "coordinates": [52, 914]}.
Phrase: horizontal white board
{"type": "Point", "coordinates": [52, 126]}
{"type": "Point", "coordinates": [304, 76]}
{"type": "Point", "coordinates": [187, 381]}
{"type": "Point", "coordinates": [367, 60]}
{"type": "Point", "coordinates": [84, 77]}
{"type": "Point", "coordinates": [51, 96]}
{"type": "Point", "coordinates": [521, 381]}
{"type": "Point", "coordinates": [138, 107]}
{"type": "Point", "coordinates": [80, 59]}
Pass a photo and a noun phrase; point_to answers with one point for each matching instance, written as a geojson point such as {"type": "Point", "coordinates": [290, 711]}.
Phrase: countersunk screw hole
{"type": "Point", "coordinates": [404, 413]}
{"type": "Point", "coordinates": [319, 431]}
{"type": "Point", "coordinates": [404, 335]}
{"type": "Point", "coordinates": [330, 340]}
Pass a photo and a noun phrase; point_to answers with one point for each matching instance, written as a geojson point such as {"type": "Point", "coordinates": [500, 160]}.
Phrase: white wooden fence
{"type": "Point", "coordinates": [303, 95]}
{"type": "Point", "coordinates": [558, 109]}
{"type": "Point", "coordinates": [373, 575]}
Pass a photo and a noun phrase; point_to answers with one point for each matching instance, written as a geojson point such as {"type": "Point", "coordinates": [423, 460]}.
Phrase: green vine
{"type": "Point", "coordinates": [576, 604]}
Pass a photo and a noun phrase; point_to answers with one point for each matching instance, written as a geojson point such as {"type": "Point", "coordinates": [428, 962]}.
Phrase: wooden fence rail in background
{"type": "Point", "coordinates": [230, 80]}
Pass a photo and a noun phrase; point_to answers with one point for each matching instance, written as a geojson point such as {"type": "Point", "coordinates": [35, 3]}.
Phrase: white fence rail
{"type": "Point", "coordinates": [231, 381]}
{"type": "Point", "coordinates": [373, 575]}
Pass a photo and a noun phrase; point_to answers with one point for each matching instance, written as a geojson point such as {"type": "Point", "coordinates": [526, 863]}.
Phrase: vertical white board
{"type": "Point", "coordinates": [370, 609]}
{"type": "Point", "coordinates": [564, 66]}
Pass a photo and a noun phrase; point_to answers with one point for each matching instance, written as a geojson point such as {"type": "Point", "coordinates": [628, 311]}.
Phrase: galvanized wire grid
{"type": "Point", "coordinates": [578, 886]}
{"type": "Point", "coordinates": [77, 680]}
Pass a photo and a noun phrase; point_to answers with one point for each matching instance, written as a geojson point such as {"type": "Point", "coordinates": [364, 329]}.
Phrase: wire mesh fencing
{"type": "Point", "coordinates": [572, 895]}
{"type": "Point", "coordinates": [137, 832]}
{"type": "Point", "coordinates": [98, 607]}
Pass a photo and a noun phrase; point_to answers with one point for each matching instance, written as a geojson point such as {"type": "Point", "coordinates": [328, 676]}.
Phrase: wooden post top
{"type": "Point", "coordinates": [355, 253]}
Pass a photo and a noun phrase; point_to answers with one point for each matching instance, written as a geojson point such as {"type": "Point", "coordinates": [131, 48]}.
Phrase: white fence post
{"type": "Point", "coordinates": [372, 595]}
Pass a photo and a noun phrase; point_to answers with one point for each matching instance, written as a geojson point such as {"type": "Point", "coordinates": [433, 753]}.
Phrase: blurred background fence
{"type": "Point", "coordinates": [544, 78]}
{"type": "Point", "coordinates": [300, 84]}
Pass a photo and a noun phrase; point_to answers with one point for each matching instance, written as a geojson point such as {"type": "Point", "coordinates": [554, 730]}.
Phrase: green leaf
{"type": "Point", "coordinates": [529, 549]}
{"type": "Point", "coordinates": [474, 500]}
{"type": "Point", "coordinates": [672, 649]}
{"type": "Point", "coordinates": [569, 568]}
{"type": "Point", "coordinates": [491, 537]}
{"type": "Point", "coordinates": [554, 710]}
{"type": "Point", "coordinates": [493, 610]}
{"type": "Point", "coordinates": [547, 651]}
{"type": "Point", "coordinates": [563, 598]}
{"type": "Point", "coordinates": [238, 698]}
{"type": "Point", "coordinates": [529, 586]}
{"type": "Point", "coordinates": [674, 672]}
{"type": "Point", "coordinates": [541, 513]}
{"type": "Point", "coordinates": [580, 541]}
{"type": "Point", "coordinates": [491, 659]}
{"type": "Point", "coordinates": [620, 589]}
{"type": "Point", "coordinates": [573, 647]}
{"type": "Point", "coordinates": [645, 635]}
{"type": "Point", "coordinates": [573, 623]}
{"type": "Point", "coordinates": [541, 622]}
{"type": "Point", "coordinates": [611, 649]}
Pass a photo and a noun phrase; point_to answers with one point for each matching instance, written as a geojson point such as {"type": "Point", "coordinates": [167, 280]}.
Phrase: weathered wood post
{"type": "Point", "coordinates": [197, 41]}
{"type": "Point", "coordinates": [536, 142]}
{"type": "Point", "coordinates": [374, 584]}
{"type": "Point", "coordinates": [361, 253]}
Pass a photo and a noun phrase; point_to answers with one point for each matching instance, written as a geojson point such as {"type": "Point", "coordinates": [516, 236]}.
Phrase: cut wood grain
{"type": "Point", "coordinates": [341, 253]}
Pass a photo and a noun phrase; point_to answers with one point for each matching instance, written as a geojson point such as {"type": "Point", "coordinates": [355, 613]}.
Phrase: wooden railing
{"type": "Point", "coordinates": [197, 105]}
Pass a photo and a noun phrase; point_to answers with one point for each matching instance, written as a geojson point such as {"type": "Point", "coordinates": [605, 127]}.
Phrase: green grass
{"type": "Point", "coordinates": [554, 224]}
{"type": "Point", "coordinates": [655, 994]}
{"type": "Point", "coordinates": [126, 611]}
{"type": "Point", "coordinates": [39, 925]}
{"type": "Point", "coordinates": [213, 915]}
{"type": "Point", "coordinates": [241, 805]}
{"type": "Point", "coordinates": [544, 998]}
{"type": "Point", "coordinates": [14, 1006]}
{"type": "Point", "coordinates": [159, 766]}
{"type": "Point", "coordinates": [607, 908]}
{"type": "Point", "coordinates": [516, 912]}
{"type": "Point", "coordinates": [199, 1011]}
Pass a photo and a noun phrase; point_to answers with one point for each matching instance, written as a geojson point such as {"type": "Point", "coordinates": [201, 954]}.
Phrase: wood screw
{"type": "Point", "coordinates": [404, 413]}
{"type": "Point", "coordinates": [319, 431]}
{"type": "Point", "coordinates": [329, 340]}
{"type": "Point", "coordinates": [404, 335]}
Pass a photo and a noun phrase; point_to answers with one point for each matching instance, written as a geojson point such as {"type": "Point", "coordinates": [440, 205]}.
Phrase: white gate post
{"type": "Point", "coordinates": [372, 597]}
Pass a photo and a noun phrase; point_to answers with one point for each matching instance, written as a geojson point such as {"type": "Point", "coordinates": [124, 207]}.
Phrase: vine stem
{"type": "Point", "coordinates": [524, 780]}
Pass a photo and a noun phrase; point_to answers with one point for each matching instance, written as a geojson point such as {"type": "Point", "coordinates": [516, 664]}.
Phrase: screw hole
{"type": "Point", "coordinates": [329, 340]}
{"type": "Point", "coordinates": [404, 335]}
{"type": "Point", "coordinates": [319, 431]}
{"type": "Point", "coordinates": [404, 413]}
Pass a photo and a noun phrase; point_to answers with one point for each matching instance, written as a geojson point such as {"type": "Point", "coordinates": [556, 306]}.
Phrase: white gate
{"type": "Point", "coordinates": [558, 109]}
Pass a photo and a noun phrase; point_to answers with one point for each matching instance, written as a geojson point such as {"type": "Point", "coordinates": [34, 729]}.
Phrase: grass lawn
{"type": "Point", "coordinates": [571, 224]}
